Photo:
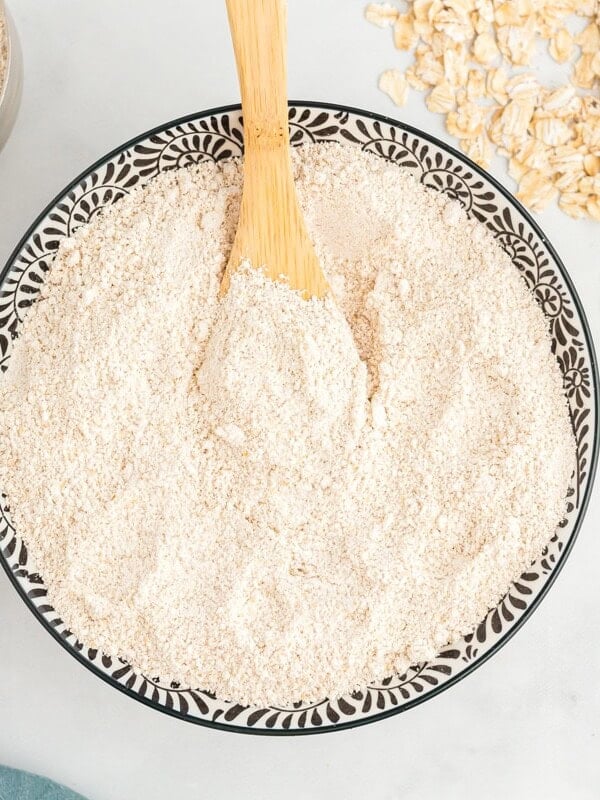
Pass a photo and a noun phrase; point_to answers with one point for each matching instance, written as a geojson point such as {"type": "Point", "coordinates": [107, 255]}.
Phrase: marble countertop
{"type": "Point", "coordinates": [527, 724]}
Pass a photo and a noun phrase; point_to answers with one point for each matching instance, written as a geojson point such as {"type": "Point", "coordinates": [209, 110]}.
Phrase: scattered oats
{"type": "Point", "coordinates": [561, 102]}
{"type": "Point", "coordinates": [485, 48]}
{"type": "Point", "coordinates": [454, 20]}
{"type": "Point", "coordinates": [524, 87]}
{"type": "Point", "coordinates": [516, 169]}
{"type": "Point", "coordinates": [424, 30]}
{"type": "Point", "coordinates": [590, 185]}
{"type": "Point", "coordinates": [425, 10]}
{"type": "Point", "coordinates": [440, 43]}
{"type": "Point", "coordinates": [485, 10]}
{"type": "Point", "coordinates": [515, 119]}
{"type": "Point", "coordinates": [467, 121]}
{"type": "Point", "coordinates": [567, 181]}
{"type": "Point", "coordinates": [593, 207]}
{"type": "Point", "coordinates": [536, 190]}
{"type": "Point", "coordinates": [496, 82]}
{"type": "Point", "coordinates": [414, 81]}
{"type": "Point", "coordinates": [381, 14]}
{"type": "Point", "coordinates": [475, 84]}
{"type": "Point", "coordinates": [395, 85]}
{"type": "Point", "coordinates": [583, 74]}
{"type": "Point", "coordinates": [589, 39]}
{"type": "Point", "coordinates": [441, 99]}
{"type": "Point", "coordinates": [587, 8]}
{"type": "Point", "coordinates": [591, 164]}
{"type": "Point", "coordinates": [500, 109]}
{"type": "Point", "coordinates": [561, 46]}
{"type": "Point", "coordinates": [478, 149]}
{"type": "Point", "coordinates": [513, 12]}
{"type": "Point", "coordinates": [428, 68]}
{"type": "Point", "coordinates": [533, 154]}
{"type": "Point", "coordinates": [405, 36]}
{"type": "Point", "coordinates": [456, 68]}
{"type": "Point", "coordinates": [573, 204]}
{"type": "Point", "coordinates": [590, 135]}
{"type": "Point", "coordinates": [554, 14]}
{"type": "Point", "coordinates": [590, 106]}
{"type": "Point", "coordinates": [567, 158]}
{"type": "Point", "coordinates": [517, 44]}
{"type": "Point", "coordinates": [552, 131]}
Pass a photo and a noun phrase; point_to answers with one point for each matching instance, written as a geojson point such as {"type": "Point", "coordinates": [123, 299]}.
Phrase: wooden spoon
{"type": "Point", "coordinates": [271, 232]}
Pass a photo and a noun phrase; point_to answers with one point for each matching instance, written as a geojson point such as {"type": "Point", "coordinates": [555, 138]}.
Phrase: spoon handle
{"type": "Point", "coordinates": [259, 34]}
{"type": "Point", "coordinates": [271, 233]}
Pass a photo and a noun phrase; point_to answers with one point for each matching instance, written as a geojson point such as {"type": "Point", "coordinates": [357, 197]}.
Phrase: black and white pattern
{"type": "Point", "coordinates": [217, 135]}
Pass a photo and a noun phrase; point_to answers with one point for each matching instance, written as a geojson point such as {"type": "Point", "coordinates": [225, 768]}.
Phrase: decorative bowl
{"type": "Point", "coordinates": [217, 134]}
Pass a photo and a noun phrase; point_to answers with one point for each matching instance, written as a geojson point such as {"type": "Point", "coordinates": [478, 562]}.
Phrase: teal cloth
{"type": "Point", "coordinates": [17, 785]}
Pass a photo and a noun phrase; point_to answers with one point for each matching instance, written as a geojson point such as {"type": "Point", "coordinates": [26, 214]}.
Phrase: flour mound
{"type": "Point", "coordinates": [270, 498]}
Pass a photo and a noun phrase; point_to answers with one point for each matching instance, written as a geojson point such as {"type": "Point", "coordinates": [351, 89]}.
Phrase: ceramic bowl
{"type": "Point", "coordinates": [11, 87]}
{"type": "Point", "coordinates": [215, 135]}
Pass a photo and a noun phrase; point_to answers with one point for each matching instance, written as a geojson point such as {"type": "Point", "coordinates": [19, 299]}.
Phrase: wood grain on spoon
{"type": "Point", "coordinates": [271, 232]}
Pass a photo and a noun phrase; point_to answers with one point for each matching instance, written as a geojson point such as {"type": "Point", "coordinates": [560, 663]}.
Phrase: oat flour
{"type": "Point", "coordinates": [271, 498]}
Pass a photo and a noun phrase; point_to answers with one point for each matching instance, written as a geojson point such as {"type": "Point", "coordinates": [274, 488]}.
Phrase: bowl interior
{"type": "Point", "coordinates": [216, 135]}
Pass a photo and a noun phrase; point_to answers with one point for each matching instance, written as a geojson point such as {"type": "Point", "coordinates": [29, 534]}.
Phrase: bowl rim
{"type": "Point", "coordinates": [478, 662]}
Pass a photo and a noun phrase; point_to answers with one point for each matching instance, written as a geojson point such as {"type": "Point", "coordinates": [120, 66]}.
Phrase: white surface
{"type": "Point", "coordinates": [527, 723]}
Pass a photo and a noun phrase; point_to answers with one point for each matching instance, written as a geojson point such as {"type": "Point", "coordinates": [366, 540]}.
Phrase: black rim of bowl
{"type": "Point", "coordinates": [593, 462]}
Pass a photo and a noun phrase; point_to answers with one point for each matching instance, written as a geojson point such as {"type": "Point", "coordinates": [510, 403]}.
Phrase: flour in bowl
{"type": "Point", "coordinates": [277, 499]}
